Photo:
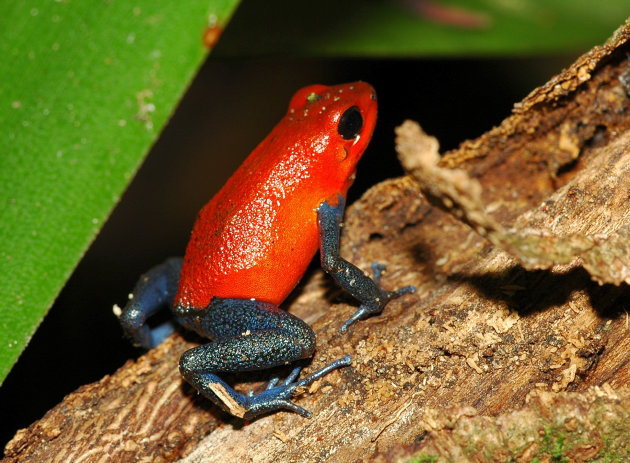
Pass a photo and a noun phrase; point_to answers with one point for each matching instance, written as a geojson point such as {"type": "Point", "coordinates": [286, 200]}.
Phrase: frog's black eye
{"type": "Point", "coordinates": [350, 123]}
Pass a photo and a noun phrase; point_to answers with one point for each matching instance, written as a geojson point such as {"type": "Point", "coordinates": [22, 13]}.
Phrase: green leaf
{"type": "Point", "coordinates": [85, 88]}
{"type": "Point", "coordinates": [412, 28]}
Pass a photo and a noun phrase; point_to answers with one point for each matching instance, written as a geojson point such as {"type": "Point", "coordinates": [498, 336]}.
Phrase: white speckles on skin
{"type": "Point", "coordinates": [245, 235]}
{"type": "Point", "coordinates": [321, 144]}
{"type": "Point", "coordinates": [285, 175]}
{"type": "Point", "coordinates": [250, 232]}
{"type": "Point", "coordinates": [16, 104]}
{"type": "Point", "coordinates": [282, 193]}
{"type": "Point", "coordinates": [131, 38]}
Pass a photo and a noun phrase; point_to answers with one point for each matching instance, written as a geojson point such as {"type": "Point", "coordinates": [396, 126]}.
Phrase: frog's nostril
{"type": "Point", "coordinates": [373, 95]}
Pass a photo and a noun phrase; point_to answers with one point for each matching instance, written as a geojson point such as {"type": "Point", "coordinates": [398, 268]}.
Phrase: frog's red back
{"type": "Point", "coordinates": [257, 235]}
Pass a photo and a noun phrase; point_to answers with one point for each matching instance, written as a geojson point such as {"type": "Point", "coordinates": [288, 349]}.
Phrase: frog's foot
{"type": "Point", "coordinates": [275, 397]}
{"type": "Point", "coordinates": [377, 304]}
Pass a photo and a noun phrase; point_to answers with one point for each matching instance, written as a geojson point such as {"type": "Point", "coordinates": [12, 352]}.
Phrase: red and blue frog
{"type": "Point", "coordinates": [252, 243]}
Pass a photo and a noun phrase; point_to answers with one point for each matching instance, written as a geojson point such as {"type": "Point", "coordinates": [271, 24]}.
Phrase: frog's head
{"type": "Point", "coordinates": [337, 123]}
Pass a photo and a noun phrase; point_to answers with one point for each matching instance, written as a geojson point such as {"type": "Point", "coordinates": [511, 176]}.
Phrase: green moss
{"type": "Point", "coordinates": [423, 458]}
{"type": "Point", "coordinates": [613, 450]}
{"type": "Point", "coordinates": [553, 445]}
{"type": "Point", "coordinates": [555, 440]}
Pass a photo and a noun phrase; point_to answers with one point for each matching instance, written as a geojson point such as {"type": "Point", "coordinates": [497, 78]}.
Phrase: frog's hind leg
{"type": "Point", "coordinates": [154, 291]}
{"type": "Point", "coordinates": [248, 335]}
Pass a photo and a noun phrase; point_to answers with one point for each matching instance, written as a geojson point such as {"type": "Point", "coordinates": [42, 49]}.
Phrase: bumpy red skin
{"type": "Point", "coordinates": [257, 235]}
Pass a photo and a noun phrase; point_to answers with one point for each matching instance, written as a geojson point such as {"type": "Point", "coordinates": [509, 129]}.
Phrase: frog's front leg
{"type": "Point", "coordinates": [154, 291]}
{"type": "Point", "coordinates": [372, 297]}
{"type": "Point", "coordinates": [248, 335]}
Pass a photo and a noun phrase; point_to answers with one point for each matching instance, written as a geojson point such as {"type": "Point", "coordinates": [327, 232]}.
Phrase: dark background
{"type": "Point", "coordinates": [229, 108]}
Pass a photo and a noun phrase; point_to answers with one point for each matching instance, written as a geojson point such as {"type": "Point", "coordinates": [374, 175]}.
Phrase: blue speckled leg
{"type": "Point", "coordinates": [154, 291]}
{"type": "Point", "coordinates": [372, 297]}
{"type": "Point", "coordinates": [248, 335]}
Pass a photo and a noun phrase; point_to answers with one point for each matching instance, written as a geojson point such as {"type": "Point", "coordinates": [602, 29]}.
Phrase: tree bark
{"type": "Point", "coordinates": [481, 338]}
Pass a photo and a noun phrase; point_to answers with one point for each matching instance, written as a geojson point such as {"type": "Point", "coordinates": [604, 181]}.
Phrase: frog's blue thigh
{"type": "Point", "coordinates": [248, 335]}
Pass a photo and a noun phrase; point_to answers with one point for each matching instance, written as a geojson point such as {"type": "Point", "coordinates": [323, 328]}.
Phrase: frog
{"type": "Point", "coordinates": [250, 246]}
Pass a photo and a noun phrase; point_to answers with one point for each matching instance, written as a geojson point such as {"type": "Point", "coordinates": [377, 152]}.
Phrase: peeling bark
{"type": "Point", "coordinates": [482, 336]}
{"type": "Point", "coordinates": [604, 253]}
